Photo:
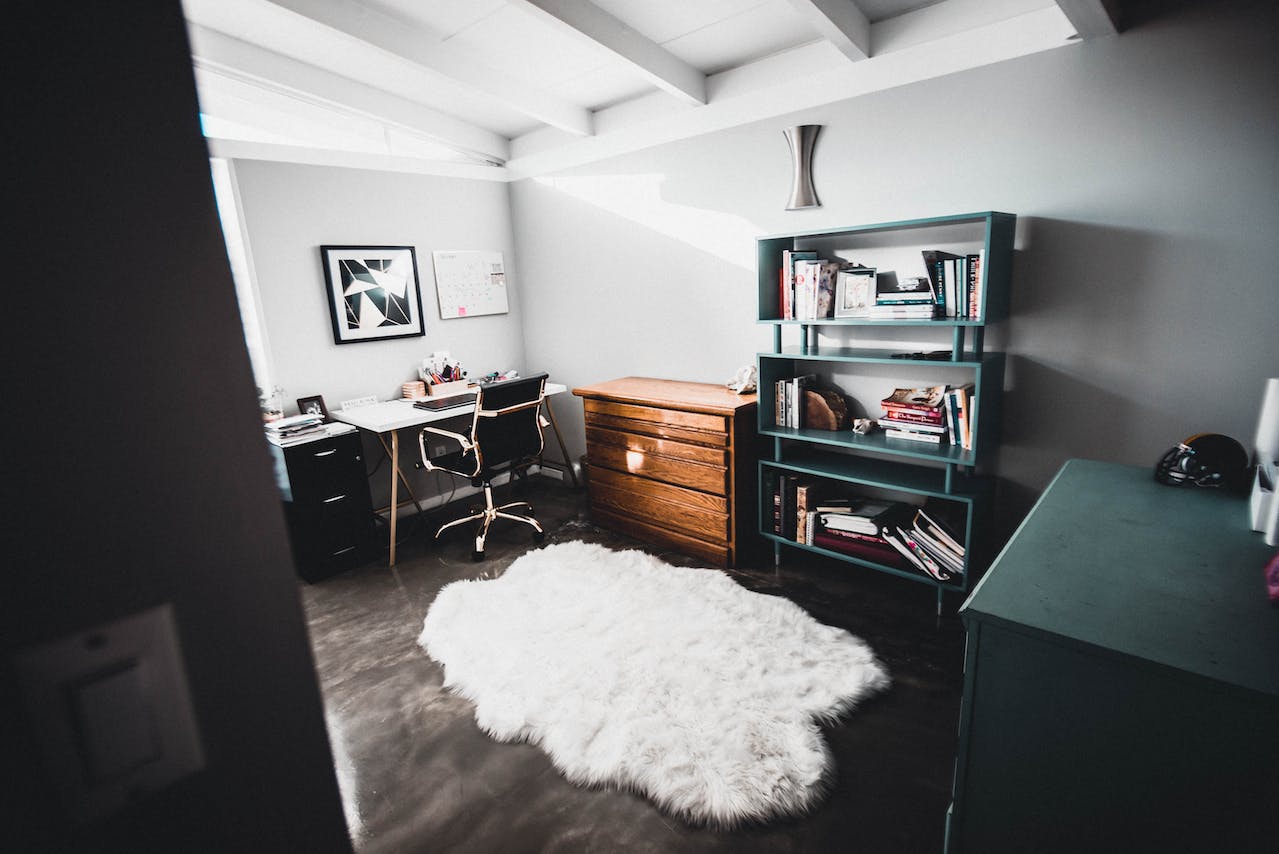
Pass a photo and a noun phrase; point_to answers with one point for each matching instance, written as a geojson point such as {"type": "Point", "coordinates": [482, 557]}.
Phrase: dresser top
{"type": "Point", "coordinates": [670, 394]}
{"type": "Point", "coordinates": [1111, 559]}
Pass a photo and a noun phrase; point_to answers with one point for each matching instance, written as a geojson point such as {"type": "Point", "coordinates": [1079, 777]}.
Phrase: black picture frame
{"type": "Point", "coordinates": [305, 405]}
{"type": "Point", "coordinates": [374, 292]}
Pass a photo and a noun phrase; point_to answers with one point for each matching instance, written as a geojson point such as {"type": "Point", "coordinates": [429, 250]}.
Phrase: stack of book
{"type": "Point", "coordinates": [957, 281]}
{"type": "Point", "coordinates": [295, 429]}
{"type": "Point", "coordinates": [928, 545]}
{"type": "Point", "coordinates": [903, 299]}
{"type": "Point", "coordinates": [788, 400]}
{"type": "Point", "coordinates": [854, 528]}
{"type": "Point", "coordinates": [917, 414]}
{"type": "Point", "coordinates": [807, 286]}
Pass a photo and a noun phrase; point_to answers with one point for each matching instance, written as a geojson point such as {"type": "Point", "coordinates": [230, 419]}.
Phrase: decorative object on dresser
{"type": "Point", "coordinates": [672, 682]}
{"type": "Point", "coordinates": [673, 463]}
{"type": "Point", "coordinates": [325, 490]}
{"type": "Point", "coordinates": [948, 274]}
{"type": "Point", "coordinates": [373, 292]}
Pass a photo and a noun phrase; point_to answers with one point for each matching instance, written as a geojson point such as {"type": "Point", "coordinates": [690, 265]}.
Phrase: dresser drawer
{"type": "Point", "coordinates": [655, 503]}
{"type": "Point", "coordinates": [711, 429]}
{"type": "Point", "coordinates": [663, 447]}
{"type": "Point", "coordinates": [715, 554]}
{"type": "Point", "coordinates": [707, 478]}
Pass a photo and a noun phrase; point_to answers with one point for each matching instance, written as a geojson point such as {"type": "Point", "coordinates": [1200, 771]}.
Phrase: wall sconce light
{"type": "Point", "coordinates": [801, 140]}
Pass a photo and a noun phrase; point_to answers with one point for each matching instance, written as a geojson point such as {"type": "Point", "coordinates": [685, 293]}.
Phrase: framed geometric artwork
{"type": "Point", "coordinates": [373, 292]}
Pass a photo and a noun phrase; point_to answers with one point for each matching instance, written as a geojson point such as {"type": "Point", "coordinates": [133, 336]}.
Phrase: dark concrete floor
{"type": "Point", "coordinates": [428, 779]}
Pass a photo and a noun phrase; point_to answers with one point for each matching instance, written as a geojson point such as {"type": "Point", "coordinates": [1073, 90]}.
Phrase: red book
{"type": "Point", "coordinates": [880, 552]}
{"type": "Point", "coordinates": [922, 416]}
{"type": "Point", "coordinates": [928, 399]}
{"type": "Point", "coordinates": [853, 535]}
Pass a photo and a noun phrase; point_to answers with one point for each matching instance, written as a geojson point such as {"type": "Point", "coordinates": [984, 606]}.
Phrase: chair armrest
{"type": "Point", "coordinates": [464, 441]}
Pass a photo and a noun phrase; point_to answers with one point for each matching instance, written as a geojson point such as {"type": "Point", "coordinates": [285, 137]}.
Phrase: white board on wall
{"type": "Point", "coordinates": [470, 283]}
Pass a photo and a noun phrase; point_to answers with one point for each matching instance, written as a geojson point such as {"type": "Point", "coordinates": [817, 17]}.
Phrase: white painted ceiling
{"type": "Point", "coordinates": [512, 88]}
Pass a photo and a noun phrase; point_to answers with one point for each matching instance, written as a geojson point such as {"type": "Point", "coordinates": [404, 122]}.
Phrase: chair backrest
{"type": "Point", "coordinates": [507, 422]}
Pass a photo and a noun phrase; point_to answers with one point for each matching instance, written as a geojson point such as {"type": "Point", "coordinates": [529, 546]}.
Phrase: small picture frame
{"type": "Point", "coordinates": [313, 406]}
{"type": "Point", "coordinates": [854, 292]}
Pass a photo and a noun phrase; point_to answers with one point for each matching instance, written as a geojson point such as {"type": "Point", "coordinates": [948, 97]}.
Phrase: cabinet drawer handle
{"type": "Point", "coordinates": [325, 453]}
{"type": "Point", "coordinates": [344, 551]}
{"type": "Point", "coordinates": [334, 498]}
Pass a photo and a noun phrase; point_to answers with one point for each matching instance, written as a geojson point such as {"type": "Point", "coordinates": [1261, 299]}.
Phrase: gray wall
{"type": "Point", "coordinates": [1143, 171]}
{"type": "Point", "coordinates": [291, 210]}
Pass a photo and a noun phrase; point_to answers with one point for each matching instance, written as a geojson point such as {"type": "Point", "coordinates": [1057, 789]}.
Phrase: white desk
{"type": "Point", "coordinates": [391, 416]}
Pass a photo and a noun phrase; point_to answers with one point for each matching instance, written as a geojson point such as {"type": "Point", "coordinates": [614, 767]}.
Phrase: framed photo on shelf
{"type": "Point", "coordinates": [313, 406]}
{"type": "Point", "coordinates": [854, 292]}
{"type": "Point", "coordinates": [373, 292]}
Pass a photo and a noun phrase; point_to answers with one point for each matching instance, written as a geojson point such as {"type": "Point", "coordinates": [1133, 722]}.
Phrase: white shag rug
{"type": "Point", "coordinates": [676, 683]}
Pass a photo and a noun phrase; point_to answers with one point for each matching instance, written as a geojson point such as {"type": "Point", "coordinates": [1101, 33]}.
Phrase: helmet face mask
{"type": "Point", "coordinates": [1205, 459]}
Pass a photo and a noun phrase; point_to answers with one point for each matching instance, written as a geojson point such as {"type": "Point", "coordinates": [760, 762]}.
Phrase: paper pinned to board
{"type": "Point", "coordinates": [470, 283]}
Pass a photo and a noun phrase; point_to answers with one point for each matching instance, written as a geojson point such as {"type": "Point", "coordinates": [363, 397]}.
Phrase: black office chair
{"type": "Point", "coordinates": [506, 436]}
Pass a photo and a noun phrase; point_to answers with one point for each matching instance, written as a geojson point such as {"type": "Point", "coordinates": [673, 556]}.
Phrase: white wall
{"type": "Point", "coordinates": [1142, 168]}
{"type": "Point", "coordinates": [290, 210]}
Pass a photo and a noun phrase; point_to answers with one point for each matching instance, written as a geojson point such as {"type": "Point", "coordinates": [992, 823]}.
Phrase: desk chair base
{"type": "Point", "coordinates": [486, 516]}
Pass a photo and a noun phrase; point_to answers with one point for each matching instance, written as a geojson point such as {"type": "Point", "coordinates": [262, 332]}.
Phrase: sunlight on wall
{"type": "Point", "coordinates": [638, 198]}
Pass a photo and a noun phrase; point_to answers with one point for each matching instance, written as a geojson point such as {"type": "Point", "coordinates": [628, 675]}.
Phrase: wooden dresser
{"type": "Point", "coordinates": [673, 463]}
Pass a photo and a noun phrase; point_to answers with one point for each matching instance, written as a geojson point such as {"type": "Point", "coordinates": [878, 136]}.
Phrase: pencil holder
{"type": "Point", "coordinates": [438, 389]}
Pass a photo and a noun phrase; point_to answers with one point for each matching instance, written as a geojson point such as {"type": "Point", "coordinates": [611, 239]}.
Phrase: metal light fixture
{"type": "Point", "coordinates": [801, 139]}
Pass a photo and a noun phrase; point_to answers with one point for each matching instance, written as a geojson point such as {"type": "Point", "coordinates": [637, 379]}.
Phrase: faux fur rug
{"type": "Point", "coordinates": [675, 683]}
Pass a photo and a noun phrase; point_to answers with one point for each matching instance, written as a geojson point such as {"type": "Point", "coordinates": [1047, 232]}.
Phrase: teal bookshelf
{"type": "Point", "coordinates": [845, 352]}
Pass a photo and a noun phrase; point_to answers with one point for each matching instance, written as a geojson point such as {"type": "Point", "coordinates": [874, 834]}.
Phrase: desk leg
{"type": "Point", "coordinates": [395, 487]}
{"type": "Point", "coordinates": [550, 413]}
{"type": "Point", "coordinates": [400, 474]}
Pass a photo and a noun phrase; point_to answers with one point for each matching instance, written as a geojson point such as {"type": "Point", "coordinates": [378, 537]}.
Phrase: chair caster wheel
{"type": "Point", "coordinates": [477, 556]}
{"type": "Point", "coordinates": [539, 536]}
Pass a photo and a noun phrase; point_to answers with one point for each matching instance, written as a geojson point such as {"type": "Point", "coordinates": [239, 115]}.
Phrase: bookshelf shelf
{"type": "Point", "coordinates": [873, 465]}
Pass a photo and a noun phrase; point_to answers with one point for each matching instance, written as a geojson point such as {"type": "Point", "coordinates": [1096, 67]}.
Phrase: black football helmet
{"type": "Point", "coordinates": [1205, 459]}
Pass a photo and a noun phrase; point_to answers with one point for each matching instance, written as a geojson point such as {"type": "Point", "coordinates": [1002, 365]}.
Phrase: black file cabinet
{"type": "Point", "coordinates": [327, 504]}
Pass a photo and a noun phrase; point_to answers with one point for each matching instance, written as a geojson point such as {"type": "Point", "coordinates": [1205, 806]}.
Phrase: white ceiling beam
{"type": "Point", "coordinates": [840, 22]}
{"type": "Point", "coordinates": [808, 78]}
{"type": "Point", "coordinates": [1092, 17]}
{"type": "Point", "coordinates": [234, 149]}
{"type": "Point", "coordinates": [428, 50]}
{"type": "Point", "coordinates": [586, 21]}
{"type": "Point", "coordinates": [222, 54]}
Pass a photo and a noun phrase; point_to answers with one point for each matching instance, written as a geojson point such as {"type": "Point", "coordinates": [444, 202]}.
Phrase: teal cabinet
{"type": "Point", "coordinates": [1121, 679]}
{"type": "Point", "coordinates": [859, 357]}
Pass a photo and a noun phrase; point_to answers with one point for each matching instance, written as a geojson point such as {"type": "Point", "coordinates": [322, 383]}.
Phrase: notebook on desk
{"type": "Point", "coordinates": [435, 404]}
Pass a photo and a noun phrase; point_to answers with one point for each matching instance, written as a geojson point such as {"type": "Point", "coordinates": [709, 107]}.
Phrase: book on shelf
{"type": "Point", "coordinates": [938, 531]}
{"type": "Point", "coordinates": [874, 550]}
{"type": "Point", "coordinates": [913, 436]}
{"type": "Point", "coordinates": [914, 416]}
{"type": "Point", "coordinates": [925, 399]}
{"type": "Point", "coordinates": [789, 400]}
{"type": "Point", "coordinates": [916, 426]}
{"type": "Point", "coordinates": [867, 517]}
{"type": "Point", "coordinates": [931, 566]}
{"type": "Point", "coordinates": [959, 407]}
{"type": "Point", "coordinates": [901, 312]}
{"type": "Point", "coordinates": [805, 492]}
{"type": "Point", "coordinates": [815, 289]}
{"type": "Point", "coordinates": [974, 285]}
{"type": "Point", "coordinates": [935, 266]}
{"type": "Point", "coordinates": [786, 303]}
{"type": "Point", "coordinates": [906, 290]}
